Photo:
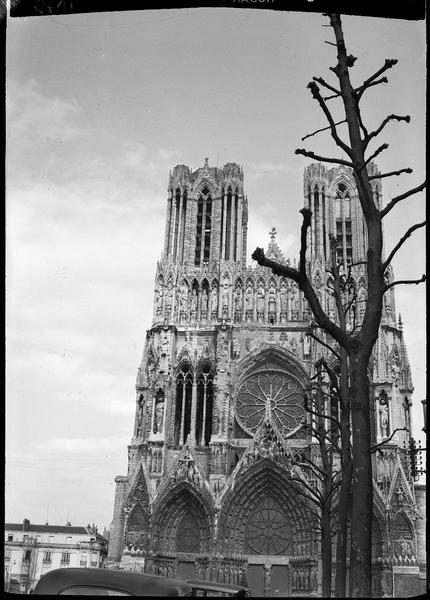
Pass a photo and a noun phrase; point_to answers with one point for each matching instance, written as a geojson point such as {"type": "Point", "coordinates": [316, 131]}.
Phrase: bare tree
{"type": "Point", "coordinates": [358, 343]}
{"type": "Point", "coordinates": [322, 468]}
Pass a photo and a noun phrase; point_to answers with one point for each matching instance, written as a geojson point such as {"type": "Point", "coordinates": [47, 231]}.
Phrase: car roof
{"type": "Point", "coordinates": [215, 586]}
{"type": "Point", "coordinates": [140, 584]}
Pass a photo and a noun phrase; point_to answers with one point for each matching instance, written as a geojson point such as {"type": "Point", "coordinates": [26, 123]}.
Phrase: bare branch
{"type": "Point", "coordinates": [394, 201]}
{"type": "Point", "coordinates": [317, 339]}
{"type": "Point", "coordinates": [323, 416]}
{"type": "Point", "coordinates": [304, 284]}
{"type": "Point", "coordinates": [404, 281]}
{"type": "Point", "coordinates": [310, 493]}
{"type": "Point", "coordinates": [374, 155]}
{"type": "Point", "coordinates": [314, 156]}
{"type": "Point", "coordinates": [330, 43]}
{"type": "Point", "coordinates": [387, 65]}
{"type": "Point", "coordinates": [320, 130]}
{"type": "Point", "coordinates": [399, 172]}
{"type": "Point", "coordinates": [373, 134]}
{"type": "Point", "coordinates": [321, 81]}
{"type": "Point", "coordinates": [306, 223]}
{"type": "Point", "coordinates": [360, 89]}
{"type": "Point", "coordinates": [315, 91]}
{"type": "Point", "coordinates": [376, 446]}
{"type": "Point", "coordinates": [402, 241]}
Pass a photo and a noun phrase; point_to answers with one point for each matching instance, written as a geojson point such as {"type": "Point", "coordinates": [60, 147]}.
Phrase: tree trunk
{"type": "Point", "coordinates": [345, 489]}
{"type": "Point", "coordinates": [342, 523]}
{"type": "Point", "coordinates": [362, 485]}
{"type": "Point", "coordinates": [326, 549]}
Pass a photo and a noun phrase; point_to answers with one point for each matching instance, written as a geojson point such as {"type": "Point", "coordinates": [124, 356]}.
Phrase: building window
{"type": "Point", "coordinates": [7, 553]}
{"type": "Point", "coordinates": [47, 557]}
{"type": "Point", "coordinates": [83, 563]}
{"type": "Point", "coordinates": [184, 385]}
{"type": "Point", "coordinates": [204, 405]}
{"type": "Point", "coordinates": [204, 226]}
{"type": "Point", "coordinates": [10, 538]}
{"type": "Point", "coordinates": [27, 555]}
{"type": "Point", "coordinates": [94, 563]}
{"type": "Point", "coordinates": [65, 558]}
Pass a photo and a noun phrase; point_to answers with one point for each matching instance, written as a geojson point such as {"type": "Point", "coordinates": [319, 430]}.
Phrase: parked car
{"type": "Point", "coordinates": [109, 582]}
{"type": "Point", "coordinates": [213, 589]}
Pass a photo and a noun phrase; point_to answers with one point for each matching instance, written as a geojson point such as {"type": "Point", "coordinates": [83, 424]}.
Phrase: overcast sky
{"type": "Point", "coordinates": [99, 108]}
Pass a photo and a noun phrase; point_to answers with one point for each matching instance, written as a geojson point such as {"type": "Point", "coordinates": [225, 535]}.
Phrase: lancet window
{"type": "Point", "coordinates": [204, 405]}
{"type": "Point", "coordinates": [177, 217]}
{"type": "Point", "coordinates": [203, 227]}
{"type": "Point", "coordinates": [343, 225]}
{"type": "Point", "coordinates": [184, 387]}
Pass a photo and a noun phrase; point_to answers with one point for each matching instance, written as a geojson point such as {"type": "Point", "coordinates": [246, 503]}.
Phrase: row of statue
{"type": "Point", "coordinates": [213, 301]}
{"type": "Point", "coordinates": [251, 303]}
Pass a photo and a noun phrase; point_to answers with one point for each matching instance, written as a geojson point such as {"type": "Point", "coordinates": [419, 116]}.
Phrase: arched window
{"type": "Point", "coordinates": [176, 226]}
{"type": "Point", "coordinates": [203, 227]}
{"type": "Point", "coordinates": [236, 204]}
{"type": "Point", "coordinates": [204, 405]}
{"type": "Point", "coordinates": [228, 224]}
{"type": "Point", "coordinates": [317, 217]}
{"type": "Point", "coordinates": [183, 221]}
{"type": "Point", "coordinates": [184, 387]}
{"type": "Point", "coordinates": [324, 232]}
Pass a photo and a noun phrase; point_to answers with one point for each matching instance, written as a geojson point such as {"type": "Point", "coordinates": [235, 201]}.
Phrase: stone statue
{"type": "Point", "coordinates": [194, 301]}
{"type": "Point", "coordinates": [383, 419]}
{"type": "Point", "coordinates": [159, 417]}
{"type": "Point", "coordinates": [184, 298]}
{"type": "Point", "coordinates": [204, 301]}
{"type": "Point", "coordinates": [260, 299]}
{"type": "Point", "coordinates": [225, 293]}
{"type": "Point", "coordinates": [249, 296]}
{"type": "Point", "coordinates": [238, 298]}
{"type": "Point", "coordinates": [214, 299]}
{"type": "Point", "coordinates": [272, 300]}
{"type": "Point", "coordinates": [159, 301]}
{"type": "Point", "coordinates": [283, 294]}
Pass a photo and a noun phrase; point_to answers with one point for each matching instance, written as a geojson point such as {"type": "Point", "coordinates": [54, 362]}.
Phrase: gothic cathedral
{"type": "Point", "coordinates": [210, 491]}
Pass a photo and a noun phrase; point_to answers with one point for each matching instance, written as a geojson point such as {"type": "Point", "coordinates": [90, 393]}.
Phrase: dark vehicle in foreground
{"type": "Point", "coordinates": [109, 582]}
{"type": "Point", "coordinates": [213, 589]}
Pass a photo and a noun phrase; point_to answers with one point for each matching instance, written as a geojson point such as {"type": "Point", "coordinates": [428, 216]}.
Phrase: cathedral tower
{"type": "Point", "coordinates": [220, 422]}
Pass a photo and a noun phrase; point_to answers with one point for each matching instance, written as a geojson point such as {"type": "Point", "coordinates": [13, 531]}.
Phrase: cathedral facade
{"type": "Point", "coordinates": [212, 489]}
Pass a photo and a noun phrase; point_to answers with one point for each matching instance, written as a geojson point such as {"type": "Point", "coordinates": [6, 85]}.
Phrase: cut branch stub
{"type": "Point", "coordinates": [258, 255]}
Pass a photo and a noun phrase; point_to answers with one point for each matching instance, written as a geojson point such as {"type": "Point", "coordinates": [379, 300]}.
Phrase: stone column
{"type": "Point", "coordinates": [239, 230]}
{"type": "Point", "coordinates": [116, 539]}
{"type": "Point", "coordinates": [204, 414]}
{"type": "Point", "coordinates": [224, 222]}
{"type": "Point", "coordinates": [181, 432]}
{"type": "Point", "coordinates": [173, 226]}
{"type": "Point", "coordinates": [167, 227]}
{"type": "Point", "coordinates": [193, 412]}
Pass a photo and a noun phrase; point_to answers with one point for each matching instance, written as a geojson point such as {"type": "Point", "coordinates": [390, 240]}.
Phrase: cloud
{"type": "Point", "coordinates": [34, 117]}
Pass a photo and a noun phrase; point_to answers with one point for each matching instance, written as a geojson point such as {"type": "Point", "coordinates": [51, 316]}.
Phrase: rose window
{"type": "Point", "coordinates": [268, 530]}
{"type": "Point", "coordinates": [270, 393]}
